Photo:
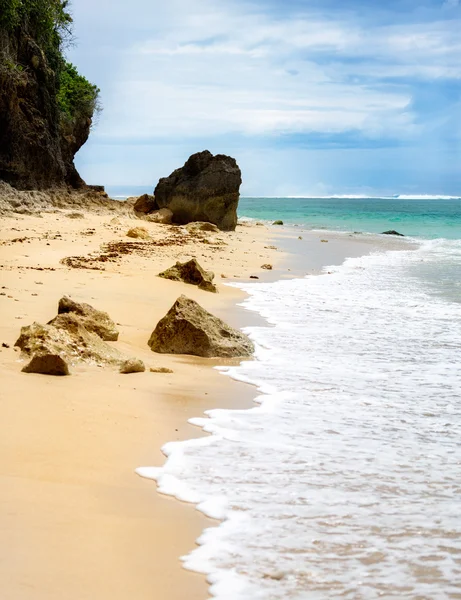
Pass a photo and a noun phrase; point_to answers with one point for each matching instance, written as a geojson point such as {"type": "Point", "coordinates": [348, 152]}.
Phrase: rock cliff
{"type": "Point", "coordinates": [38, 140]}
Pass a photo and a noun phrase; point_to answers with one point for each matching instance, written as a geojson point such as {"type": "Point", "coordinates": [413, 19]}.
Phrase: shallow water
{"type": "Point", "coordinates": [421, 217]}
{"type": "Point", "coordinates": [345, 481]}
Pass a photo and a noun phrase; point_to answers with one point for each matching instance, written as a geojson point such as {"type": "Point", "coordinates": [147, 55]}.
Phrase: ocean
{"type": "Point", "coordinates": [344, 480]}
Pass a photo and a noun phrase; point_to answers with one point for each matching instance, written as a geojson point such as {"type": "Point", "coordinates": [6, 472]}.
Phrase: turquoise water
{"type": "Point", "coordinates": [425, 218]}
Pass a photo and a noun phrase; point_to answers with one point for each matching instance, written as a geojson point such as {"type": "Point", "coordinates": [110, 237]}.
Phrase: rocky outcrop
{"type": "Point", "coordinates": [191, 272]}
{"type": "Point", "coordinates": [37, 146]}
{"type": "Point", "coordinates": [206, 188]}
{"type": "Point", "coordinates": [47, 364]}
{"type": "Point", "coordinates": [188, 328]}
{"type": "Point", "coordinates": [96, 321]}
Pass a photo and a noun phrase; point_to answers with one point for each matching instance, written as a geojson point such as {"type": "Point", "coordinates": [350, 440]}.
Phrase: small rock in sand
{"type": "Point", "coordinates": [138, 232]}
{"type": "Point", "coordinates": [5, 345]}
{"type": "Point", "coordinates": [392, 232]}
{"type": "Point", "coordinates": [191, 272]}
{"type": "Point", "coordinates": [324, 241]}
{"type": "Point", "coordinates": [267, 267]}
{"type": "Point", "coordinates": [277, 223]}
{"type": "Point", "coordinates": [47, 364]}
{"type": "Point", "coordinates": [75, 215]}
{"type": "Point", "coordinates": [160, 370]}
{"type": "Point", "coordinates": [254, 277]}
{"type": "Point", "coordinates": [132, 365]}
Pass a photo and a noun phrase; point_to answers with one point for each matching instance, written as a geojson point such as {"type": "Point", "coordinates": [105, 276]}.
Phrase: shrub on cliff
{"type": "Point", "coordinates": [50, 24]}
{"type": "Point", "coordinates": [77, 97]}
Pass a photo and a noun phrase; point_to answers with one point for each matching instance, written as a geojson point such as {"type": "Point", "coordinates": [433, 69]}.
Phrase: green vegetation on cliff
{"type": "Point", "coordinates": [49, 23]}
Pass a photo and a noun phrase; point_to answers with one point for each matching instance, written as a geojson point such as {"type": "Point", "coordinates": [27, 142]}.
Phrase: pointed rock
{"type": "Point", "coordinates": [188, 328]}
{"type": "Point", "coordinates": [47, 364]}
{"type": "Point", "coordinates": [191, 272]}
{"type": "Point", "coordinates": [96, 321]}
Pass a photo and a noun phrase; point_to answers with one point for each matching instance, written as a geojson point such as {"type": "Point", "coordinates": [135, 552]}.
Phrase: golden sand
{"type": "Point", "coordinates": [76, 522]}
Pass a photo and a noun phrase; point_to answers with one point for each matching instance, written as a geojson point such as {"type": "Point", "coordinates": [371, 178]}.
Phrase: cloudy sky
{"type": "Point", "coordinates": [312, 97]}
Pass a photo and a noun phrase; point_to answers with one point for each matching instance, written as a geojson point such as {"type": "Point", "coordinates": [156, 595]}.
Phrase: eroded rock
{"type": "Point", "coordinates": [163, 216]}
{"type": "Point", "coordinates": [145, 204]}
{"type": "Point", "coordinates": [206, 188]}
{"type": "Point", "coordinates": [191, 272]}
{"type": "Point", "coordinates": [67, 337]}
{"type": "Point", "coordinates": [132, 365]}
{"type": "Point", "coordinates": [92, 319]}
{"type": "Point", "coordinates": [47, 364]}
{"type": "Point", "coordinates": [138, 232]}
{"type": "Point", "coordinates": [200, 226]}
{"type": "Point", "coordinates": [188, 328]}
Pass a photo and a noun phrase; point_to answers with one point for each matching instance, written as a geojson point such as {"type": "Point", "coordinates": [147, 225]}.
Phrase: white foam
{"type": "Point", "coordinates": [343, 481]}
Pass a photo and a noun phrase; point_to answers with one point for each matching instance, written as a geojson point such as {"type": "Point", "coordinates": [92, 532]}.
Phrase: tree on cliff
{"type": "Point", "coordinates": [46, 106]}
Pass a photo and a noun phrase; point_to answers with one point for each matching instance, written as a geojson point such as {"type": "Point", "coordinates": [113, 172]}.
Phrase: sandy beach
{"type": "Point", "coordinates": [76, 520]}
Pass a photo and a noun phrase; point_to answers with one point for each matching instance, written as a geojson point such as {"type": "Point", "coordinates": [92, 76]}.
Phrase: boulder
{"type": "Point", "coordinates": [67, 337]}
{"type": "Point", "coordinates": [138, 232]}
{"type": "Point", "coordinates": [188, 328]}
{"type": "Point", "coordinates": [47, 364]}
{"type": "Point", "coordinates": [92, 319]}
{"type": "Point", "coordinates": [206, 188]}
{"type": "Point", "coordinates": [132, 365]}
{"type": "Point", "coordinates": [191, 272]}
{"type": "Point", "coordinates": [145, 204]}
{"type": "Point", "coordinates": [277, 223]}
{"type": "Point", "coordinates": [163, 216]}
{"type": "Point", "coordinates": [392, 232]}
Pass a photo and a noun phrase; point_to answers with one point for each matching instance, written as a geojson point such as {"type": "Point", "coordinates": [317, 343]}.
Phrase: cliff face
{"type": "Point", "coordinates": [37, 146]}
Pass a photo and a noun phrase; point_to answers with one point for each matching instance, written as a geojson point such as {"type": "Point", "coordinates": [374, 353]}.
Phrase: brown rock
{"type": "Point", "coordinates": [206, 188]}
{"type": "Point", "coordinates": [164, 216]}
{"type": "Point", "coordinates": [145, 204]}
{"type": "Point", "coordinates": [132, 365]}
{"type": "Point", "coordinates": [187, 328]}
{"type": "Point", "coordinates": [47, 364]}
{"type": "Point", "coordinates": [68, 338]}
{"type": "Point", "coordinates": [160, 370]}
{"type": "Point", "coordinates": [138, 232]}
{"type": "Point", "coordinates": [199, 226]}
{"type": "Point", "coordinates": [191, 272]}
{"type": "Point", "coordinates": [92, 319]}
{"type": "Point", "coordinates": [267, 267]}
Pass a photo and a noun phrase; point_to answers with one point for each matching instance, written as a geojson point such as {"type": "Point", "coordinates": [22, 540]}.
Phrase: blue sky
{"type": "Point", "coordinates": [312, 97]}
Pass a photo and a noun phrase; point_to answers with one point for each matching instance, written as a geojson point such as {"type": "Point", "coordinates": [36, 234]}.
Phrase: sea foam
{"type": "Point", "coordinates": [343, 481]}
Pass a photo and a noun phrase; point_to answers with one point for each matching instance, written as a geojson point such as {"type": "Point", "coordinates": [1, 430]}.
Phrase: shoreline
{"type": "Point", "coordinates": [73, 445]}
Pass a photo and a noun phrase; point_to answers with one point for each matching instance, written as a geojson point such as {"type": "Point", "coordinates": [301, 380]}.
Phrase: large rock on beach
{"type": "Point", "coordinates": [47, 364]}
{"type": "Point", "coordinates": [92, 319]}
{"type": "Point", "coordinates": [188, 328]}
{"type": "Point", "coordinates": [206, 188]}
{"type": "Point", "coordinates": [191, 272]}
{"type": "Point", "coordinates": [66, 337]}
